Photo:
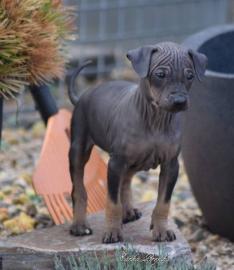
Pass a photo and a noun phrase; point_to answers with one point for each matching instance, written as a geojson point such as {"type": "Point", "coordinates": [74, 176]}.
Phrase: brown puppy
{"type": "Point", "coordinates": [140, 127]}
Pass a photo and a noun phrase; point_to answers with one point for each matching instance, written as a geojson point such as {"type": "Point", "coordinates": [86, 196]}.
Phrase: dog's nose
{"type": "Point", "coordinates": [179, 102]}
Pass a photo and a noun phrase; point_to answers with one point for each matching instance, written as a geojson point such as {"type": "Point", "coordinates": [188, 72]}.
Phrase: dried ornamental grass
{"type": "Point", "coordinates": [31, 42]}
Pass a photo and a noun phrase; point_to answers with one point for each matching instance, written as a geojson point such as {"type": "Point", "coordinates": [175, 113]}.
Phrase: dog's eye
{"type": "Point", "coordinates": [160, 74]}
{"type": "Point", "coordinates": [189, 75]}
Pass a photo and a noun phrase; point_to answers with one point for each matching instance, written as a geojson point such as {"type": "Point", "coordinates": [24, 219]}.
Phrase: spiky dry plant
{"type": "Point", "coordinates": [31, 42]}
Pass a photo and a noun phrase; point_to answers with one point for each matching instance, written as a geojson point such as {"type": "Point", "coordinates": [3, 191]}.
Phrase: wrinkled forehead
{"type": "Point", "coordinates": [172, 55]}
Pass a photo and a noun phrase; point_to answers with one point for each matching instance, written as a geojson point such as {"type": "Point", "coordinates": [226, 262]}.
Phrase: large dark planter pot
{"type": "Point", "coordinates": [208, 141]}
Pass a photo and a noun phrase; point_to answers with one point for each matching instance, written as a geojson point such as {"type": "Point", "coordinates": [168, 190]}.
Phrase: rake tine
{"type": "Point", "coordinates": [66, 206]}
{"type": "Point", "coordinates": [103, 186]}
{"type": "Point", "coordinates": [101, 190]}
{"type": "Point", "coordinates": [94, 199]}
{"type": "Point", "coordinates": [101, 197]}
{"type": "Point", "coordinates": [102, 171]}
{"type": "Point", "coordinates": [98, 198]}
{"type": "Point", "coordinates": [56, 209]}
{"type": "Point", "coordinates": [91, 207]}
{"type": "Point", "coordinates": [61, 207]}
{"type": "Point", "coordinates": [51, 210]}
{"type": "Point", "coordinates": [99, 194]}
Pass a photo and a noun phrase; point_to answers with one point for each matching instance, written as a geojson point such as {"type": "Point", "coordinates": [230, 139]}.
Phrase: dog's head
{"type": "Point", "coordinates": [169, 70]}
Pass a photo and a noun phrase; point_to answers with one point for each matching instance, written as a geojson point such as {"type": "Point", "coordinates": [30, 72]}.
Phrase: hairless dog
{"type": "Point", "coordinates": [139, 125]}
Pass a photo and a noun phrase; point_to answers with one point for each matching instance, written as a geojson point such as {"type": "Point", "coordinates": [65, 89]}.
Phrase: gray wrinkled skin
{"type": "Point", "coordinates": [139, 125]}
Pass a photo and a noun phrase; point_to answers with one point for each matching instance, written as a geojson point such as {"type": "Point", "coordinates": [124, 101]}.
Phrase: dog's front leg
{"type": "Point", "coordinates": [115, 175]}
{"type": "Point", "coordinates": [167, 180]}
{"type": "Point", "coordinates": [129, 212]}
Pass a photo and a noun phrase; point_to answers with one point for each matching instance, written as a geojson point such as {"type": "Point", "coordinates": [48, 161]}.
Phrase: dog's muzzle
{"type": "Point", "coordinates": [178, 102]}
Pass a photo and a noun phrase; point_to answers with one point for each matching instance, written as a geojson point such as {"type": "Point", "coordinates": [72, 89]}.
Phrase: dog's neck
{"type": "Point", "coordinates": [154, 117]}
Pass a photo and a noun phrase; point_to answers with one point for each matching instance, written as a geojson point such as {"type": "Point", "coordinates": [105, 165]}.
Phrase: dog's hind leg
{"type": "Point", "coordinates": [78, 158]}
{"type": "Point", "coordinates": [80, 149]}
{"type": "Point", "coordinates": [113, 233]}
{"type": "Point", "coordinates": [129, 212]}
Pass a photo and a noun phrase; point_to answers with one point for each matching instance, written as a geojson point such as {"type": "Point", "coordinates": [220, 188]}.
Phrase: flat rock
{"type": "Point", "coordinates": [36, 250]}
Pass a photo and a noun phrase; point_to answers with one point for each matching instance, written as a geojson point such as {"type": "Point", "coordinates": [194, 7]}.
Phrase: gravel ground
{"type": "Point", "coordinates": [22, 210]}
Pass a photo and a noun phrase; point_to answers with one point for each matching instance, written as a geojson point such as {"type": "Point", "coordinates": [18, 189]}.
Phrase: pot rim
{"type": "Point", "coordinates": [196, 40]}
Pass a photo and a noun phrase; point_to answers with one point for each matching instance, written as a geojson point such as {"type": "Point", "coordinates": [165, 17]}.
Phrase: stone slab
{"type": "Point", "coordinates": [38, 248]}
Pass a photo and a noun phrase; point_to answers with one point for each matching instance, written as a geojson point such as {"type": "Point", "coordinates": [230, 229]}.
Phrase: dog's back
{"type": "Point", "coordinates": [104, 105]}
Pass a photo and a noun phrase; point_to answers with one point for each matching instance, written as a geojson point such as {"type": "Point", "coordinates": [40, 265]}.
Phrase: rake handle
{"type": "Point", "coordinates": [45, 102]}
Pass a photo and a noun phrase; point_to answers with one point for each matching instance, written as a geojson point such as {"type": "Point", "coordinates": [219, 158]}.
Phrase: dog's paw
{"type": "Point", "coordinates": [131, 215]}
{"type": "Point", "coordinates": [80, 230]}
{"type": "Point", "coordinates": [112, 236]}
{"type": "Point", "coordinates": [163, 235]}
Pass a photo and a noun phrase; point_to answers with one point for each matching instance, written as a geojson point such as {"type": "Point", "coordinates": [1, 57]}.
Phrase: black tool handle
{"type": "Point", "coordinates": [44, 101]}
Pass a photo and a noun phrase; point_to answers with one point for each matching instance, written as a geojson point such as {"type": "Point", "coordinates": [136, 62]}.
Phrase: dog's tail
{"type": "Point", "coordinates": [71, 82]}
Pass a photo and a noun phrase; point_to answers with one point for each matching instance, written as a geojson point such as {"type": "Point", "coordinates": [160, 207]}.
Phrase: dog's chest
{"type": "Point", "coordinates": [144, 151]}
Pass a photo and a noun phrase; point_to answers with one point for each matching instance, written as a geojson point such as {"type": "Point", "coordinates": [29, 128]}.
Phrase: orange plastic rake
{"type": "Point", "coordinates": [51, 178]}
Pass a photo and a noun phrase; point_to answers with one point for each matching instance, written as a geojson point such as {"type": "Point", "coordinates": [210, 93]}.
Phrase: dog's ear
{"type": "Point", "coordinates": [199, 62]}
{"type": "Point", "coordinates": [140, 59]}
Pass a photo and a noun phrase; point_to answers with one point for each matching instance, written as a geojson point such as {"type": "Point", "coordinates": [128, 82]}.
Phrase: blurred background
{"type": "Point", "coordinates": [106, 29]}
